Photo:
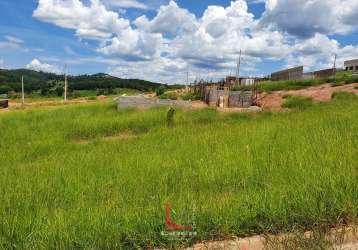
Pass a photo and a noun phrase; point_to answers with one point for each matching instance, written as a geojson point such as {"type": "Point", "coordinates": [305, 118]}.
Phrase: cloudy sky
{"type": "Point", "coordinates": [161, 40]}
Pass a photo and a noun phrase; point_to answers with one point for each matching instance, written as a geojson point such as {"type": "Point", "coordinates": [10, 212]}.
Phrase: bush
{"type": "Point", "coordinates": [353, 79]}
{"type": "Point", "coordinates": [170, 117]}
{"type": "Point", "coordinates": [59, 90]}
{"type": "Point", "coordinates": [242, 88]}
{"type": "Point", "coordinates": [336, 84]}
{"type": "Point", "coordinates": [14, 95]}
{"type": "Point", "coordinates": [76, 94]}
{"type": "Point", "coordinates": [5, 89]}
{"type": "Point", "coordinates": [171, 96]}
{"type": "Point", "coordinates": [92, 98]}
{"type": "Point", "coordinates": [344, 96]}
{"type": "Point", "coordinates": [191, 96]}
{"type": "Point", "coordinates": [297, 102]}
{"type": "Point", "coordinates": [160, 90]}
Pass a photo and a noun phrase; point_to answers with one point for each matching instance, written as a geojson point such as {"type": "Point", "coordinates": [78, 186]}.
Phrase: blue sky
{"type": "Point", "coordinates": [162, 40]}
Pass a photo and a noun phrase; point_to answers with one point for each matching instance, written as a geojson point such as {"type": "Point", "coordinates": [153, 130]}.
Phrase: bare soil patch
{"type": "Point", "coordinates": [345, 237]}
{"type": "Point", "coordinates": [252, 109]}
{"type": "Point", "coordinates": [322, 93]}
{"type": "Point", "coordinates": [4, 110]}
{"type": "Point", "coordinates": [199, 104]}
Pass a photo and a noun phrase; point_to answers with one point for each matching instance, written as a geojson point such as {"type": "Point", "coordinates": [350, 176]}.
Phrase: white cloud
{"type": "Point", "coordinates": [170, 19]}
{"type": "Point", "coordinates": [2, 63]}
{"type": "Point", "coordinates": [69, 51]}
{"type": "Point", "coordinates": [9, 45]}
{"type": "Point", "coordinates": [318, 53]}
{"type": "Point", "coordinates": [214, 40]}
{"type": "Point", "coordinates": [305, 18]}
{"type": "Point", "coordinates": [133, 44]}
{"type": "Point", "coordinates": [13, 39]}
{"type": "Point", "coordinates": [127, 4]}
{"type": "Point", "coordinates": [37, 65]}
{"type": "Point", "coordinates": [93, 21]}
{"type": "Point", "coordinates": [162, 48]}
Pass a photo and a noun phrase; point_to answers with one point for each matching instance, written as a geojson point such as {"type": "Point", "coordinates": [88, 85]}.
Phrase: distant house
{"type": "Point", "coordinates": [351, 65]}
{"type": "Point", "coordinates": [247, 81]}
{"type": "Point", "coordinates": [288, 74]}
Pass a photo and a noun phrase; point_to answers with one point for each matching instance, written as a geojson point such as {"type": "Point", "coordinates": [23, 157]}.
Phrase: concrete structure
{"type": "Point", "coordinates": [288, 74]}
{"type": "Point", "coordinates": [230, 81]}
{"type": "Point", "coordinates": [4, 104]}
{"type": "Point", "coordinates": [223, 98]}
{"type": "Point", "coordinates": [324, 73]}
{"type": "Point", "coordinates": [247, 81]}
{"type": "Point", "coordinates": [351, 65]}
{"type": "Point", "coordinates": [147, 102]}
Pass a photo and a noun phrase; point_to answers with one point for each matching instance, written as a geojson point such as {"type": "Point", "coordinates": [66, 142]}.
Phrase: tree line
{"type": "Point", "coordinates": [53, 84]}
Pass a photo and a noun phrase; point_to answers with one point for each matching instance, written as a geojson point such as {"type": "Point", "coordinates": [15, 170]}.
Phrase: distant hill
{"type": "Point", "coordinates": [10, 80]}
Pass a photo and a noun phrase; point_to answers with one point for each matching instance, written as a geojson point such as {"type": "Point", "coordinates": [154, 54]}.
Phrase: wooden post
{"type": "Point", "coordinates": [65, 88]}
{"type": "Point", "coordinates": [238, 70]}
{"type": "Point", "coordinates": [334, 64]}
{"type": "Point", "coordinates": [22, 90]}
{"type": "Point", "coordinates": [65, 95]}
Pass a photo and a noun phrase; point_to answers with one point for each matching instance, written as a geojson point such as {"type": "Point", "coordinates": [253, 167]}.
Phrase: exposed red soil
{"type": "Point", "coordinates": [322, 93]}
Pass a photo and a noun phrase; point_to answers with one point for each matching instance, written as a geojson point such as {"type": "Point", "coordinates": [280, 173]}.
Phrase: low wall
{"type": "Point", "coordinates": [242, 99]}
{"type": "Point", "coordinates": [4, 104]}
{"type": "Point", "coordinates": [146, 102]}
{"type": "Point", "coordinates": [231, 99]}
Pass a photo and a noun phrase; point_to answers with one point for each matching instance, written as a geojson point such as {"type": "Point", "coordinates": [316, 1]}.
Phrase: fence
{"type": "Point", "coordinates": [146, 102]}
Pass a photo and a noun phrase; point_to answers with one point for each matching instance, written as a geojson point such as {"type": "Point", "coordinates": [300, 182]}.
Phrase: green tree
{"type": "Point", "coordinates": [160, 90]}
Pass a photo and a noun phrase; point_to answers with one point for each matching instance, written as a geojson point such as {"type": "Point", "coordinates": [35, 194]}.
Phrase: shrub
{"type": "Point", "coordinates": [353, 79]}
{"type": "Point", "coordinates": [5, 89]}
{"type": "Point", "coordinates": [344, 96]}
{"type": "Point", "coordinates": [336, 84]}
{"type": "Point", "coordinates": [92, 98]}
{"type": "Point", "coordinates": [297, 102]}
{"type": "Point", "coordinates": [191, 96]}
{"type": "Point", "coordinates": [170, 117]}
{"type": "Point", "coordinates": [160, 90]}
{"type": "Point", "coordinates": [171, 96]}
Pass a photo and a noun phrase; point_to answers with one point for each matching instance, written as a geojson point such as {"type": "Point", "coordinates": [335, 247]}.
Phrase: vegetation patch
{"type": "Point", "coordinates": [191, 96]}
{"type": "Point", "coordinates": [297, 102]}
{"type": "Point", "coordinates": [269, 86]}
{"type": "Point", "coordinates": [227, 174]}
{"type": "Point", "coordinates": [169, 95]}
{"type": "Point", "coordinates": [344, 96]}
{"type": "Point", "coordinates": [340, 79]}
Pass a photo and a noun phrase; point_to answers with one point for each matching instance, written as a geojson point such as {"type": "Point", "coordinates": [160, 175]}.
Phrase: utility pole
{"type": "Point", "coordinates": [65, 83]}
{"type": "Point", "coordinates": [238, 68]}
{"type": "Point", "coordinates": [22, 91]}
{"type": "Point", "coordinates": [187, 78]}
{"type": "Point", "coordinates": [334, 64]}
{"type": "Point", "coordinates": [187, 81]}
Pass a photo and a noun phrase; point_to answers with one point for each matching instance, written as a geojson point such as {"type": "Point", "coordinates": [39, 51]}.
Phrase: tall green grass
{"type": "Point", "coordinates": [236, 174]}
{"type": "Point", "coordinates": [297, 102]}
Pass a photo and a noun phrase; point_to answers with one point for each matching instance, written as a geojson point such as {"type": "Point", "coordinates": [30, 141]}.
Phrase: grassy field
{"type": "Point", "coordinates": [90, 177]}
